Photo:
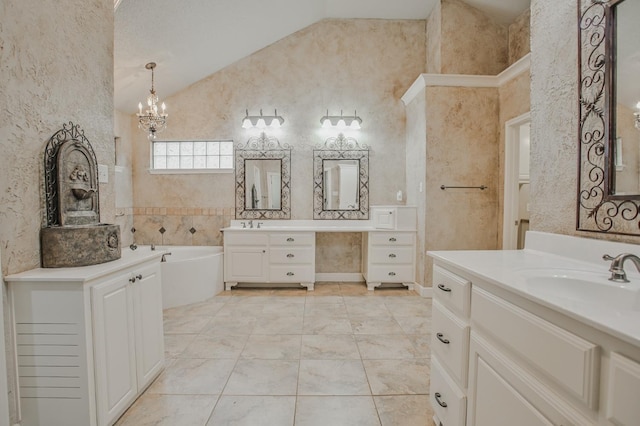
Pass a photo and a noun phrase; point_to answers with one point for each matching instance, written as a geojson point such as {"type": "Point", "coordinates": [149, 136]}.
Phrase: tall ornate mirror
{"type": "Point", "coordinates": [263, 179]}
{"type": "Point", "coordinates": [341, 179]}
{"type": "Point", "coordinates": [609, 166]}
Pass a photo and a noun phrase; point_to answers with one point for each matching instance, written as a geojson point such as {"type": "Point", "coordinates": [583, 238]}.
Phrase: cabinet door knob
{"type": "Point", "coordinates": [441, 403]}
{"type": "Point", "coordinates": [132, 279]}
{"type": "Point", "coordinates": [392, 274]}
{"type": "Point", "coordinates": [392, 239]}
{"type": "Point", "coordinates": [139, 276]}
{"type": "Point", "coordinates": [392, 255]}
{"type": "Point", "coordinates": [440, 337]}
{"type": "Point", "coordinates": [290, 255]}
{"type": "Point", "coordinates": [290, 274]}
{"type": "Point", "coordinates": [443, 288]}
{"type": "Point", "coordinates": [290, 240]}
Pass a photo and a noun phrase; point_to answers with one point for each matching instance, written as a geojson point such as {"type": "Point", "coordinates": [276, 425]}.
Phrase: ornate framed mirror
{"type": "Point", "coordinates": [341, 179]}
{"type": "Point", "coordinates": [263, 179]}
{"type": "Point", "coordinates": [609, 160]}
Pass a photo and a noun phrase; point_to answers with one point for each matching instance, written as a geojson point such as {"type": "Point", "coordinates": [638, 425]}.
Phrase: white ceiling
{"type": "Point", "coordinates": [192, 39]}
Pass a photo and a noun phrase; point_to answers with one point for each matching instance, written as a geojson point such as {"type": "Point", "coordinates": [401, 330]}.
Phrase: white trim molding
{"type": "Point", "coordinates": [423, 291]}
{"type": "Point", "coordinates": [461, 80]}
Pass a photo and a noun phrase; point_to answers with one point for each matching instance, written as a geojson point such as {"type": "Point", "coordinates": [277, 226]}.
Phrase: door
{"type": "Point", "coordinates": [246, 264]}
{"type": "Point", "coordinates": [114, 347]}
{"type": "Point", "coordinates": [149, 334]}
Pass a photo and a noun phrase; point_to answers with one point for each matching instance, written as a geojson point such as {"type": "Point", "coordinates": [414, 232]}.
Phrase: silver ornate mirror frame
{"type": "Point", "coordinates": [599, 210]}
{"type": "Point", "coordinates": [263, 148]}
{"type": "Point", "coordinates": [341, 148]}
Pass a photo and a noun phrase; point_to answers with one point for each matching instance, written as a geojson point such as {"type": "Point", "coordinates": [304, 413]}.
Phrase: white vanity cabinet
{"type": "Point", "coordinates": [509, 360]}
{"type": "Point", "coordinates": [389, 257]}
{"type": "Point", "coordinates": [269, 257]}
{"type": "Point", "coordinates": [89, 340]}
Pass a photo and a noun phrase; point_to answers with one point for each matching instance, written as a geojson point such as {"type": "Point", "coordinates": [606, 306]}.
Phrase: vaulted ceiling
{"type": "Point", "coordinates": [192, 39]}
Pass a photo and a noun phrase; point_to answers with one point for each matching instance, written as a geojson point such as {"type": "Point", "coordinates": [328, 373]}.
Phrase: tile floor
{"type": "Point", "coordinates": [340, 355]}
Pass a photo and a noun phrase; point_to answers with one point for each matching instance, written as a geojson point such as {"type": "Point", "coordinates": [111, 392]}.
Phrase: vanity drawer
{"type": "Point", "coordinates": [450, 341]}
{"type": "Point", "coordinates": [391, 238]}
{"type": "Point", "coordinates": [246, 238]}
{"type": "Point", "coordinates": [292, 238]}
{"type": "Point", "coordinates": [573, 364]}
{"type": "Point", "coordinates": [451, 290]}
{"type": "Point", "coordinates": [291, 273]}
{"type": "Point", "coordinates": [391, 273]}
{"type": "Point", "coordinates": [444, 392]}
{"type": "Point", "coordinates": [291, 255]}
{"type": "Point", "coordinates": [391, 255]}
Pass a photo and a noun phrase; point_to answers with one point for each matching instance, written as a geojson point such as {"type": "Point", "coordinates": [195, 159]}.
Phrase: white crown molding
{"type": "Point", "coordinates": [460, 80]}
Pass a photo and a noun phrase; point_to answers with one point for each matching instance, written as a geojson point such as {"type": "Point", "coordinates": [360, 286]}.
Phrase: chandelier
{"type": "Point", "coordinates": [150, 120]}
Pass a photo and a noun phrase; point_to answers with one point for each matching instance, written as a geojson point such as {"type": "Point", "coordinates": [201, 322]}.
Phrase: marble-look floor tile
{"type": "Point", "coordinates": [233, 326]}
{"type": "Point", "coordinates": [206, 308]}
{"type": "Point", "coordinates": [355, 289]}
{"type": "Point", "coordinates": [378, 310]}
{"type": "Point", "coordinates": [193, 377]}
{"type": "Point", "coordinates": [274, 324]}
{"type": "Point", "coordinates": [390, 377]}
{"type": "Point", "coordinates": [323, 346]}
{"type": "Point", "coordinates": [385, 346]}
{"type": "Point", "coordinates": [185, 324]}
{"type": "Point", "coordinates": [419, 310]}
{"type": "Point", "coordinates": [240, 310]}
{"type": "Point", "coordinates": [324, 299]}
{"type": "Point", "coordinates": [422, 343]}
{"type": "Point", "coordinates": [169, 410]}
{"type": "Point", "coordinates": [332, 377]}
{"type": "Point", "coordinates": [175, 344]}
{"type": "Point", "coordinates": [272, 346]}
{"type": "Point", "coordinates": [336, 411]}
{"type": "Point", "coordinates": [369, 325]}
{"type": "Point", "coordinates": [283, 308]}
{"type": "Point", "coordinates": [219, 346]}
{"type": "Point", "coordinates": [253, 411]}
{"type": "Point", "coordinates": [405, 410]}
{"type": "Point", "coordinates": [263, 377]}
{"type": "Point", "coordinates": [319, 324]}
{"type": "Point", "coordinates": [325, 289]}
{"type": "Point", "coordinates": [414, 325]}
{"type": "Point", "coordinates": [328, 310]}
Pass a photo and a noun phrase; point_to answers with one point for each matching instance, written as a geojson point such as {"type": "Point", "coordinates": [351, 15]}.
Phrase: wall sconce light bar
{"type": "Point", "coordinates": [341, 121]}
{"type": "Point", "coordinates": [262, 121]}
{"type": "Point", "coordinates": [636, 116]}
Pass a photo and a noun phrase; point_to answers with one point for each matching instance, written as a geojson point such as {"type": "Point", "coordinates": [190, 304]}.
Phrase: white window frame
{"type": "Point", "coordinates": [153, 170]}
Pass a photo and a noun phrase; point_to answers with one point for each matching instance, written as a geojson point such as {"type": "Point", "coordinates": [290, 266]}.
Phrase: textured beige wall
{"type": "Point", "coordinates": [57, 66]}
{"type": "Point", "coordinates": [471, 43]}
{"type": "Point", "coordinates": [434, 40]}
{"type": "Point", "coordinates": [462, 150]}
{"type": "Point", "coordinates": [123, 181]}
{"type": "Point", "coordinates": [514, 101]}
{"type": "Point", "coordinates": [335, 64]}
{"type": "Point", "coordinates": [554, 120]}
{"type": "Point", "coordinates": [338, 252]}
{"type": "Point", "coordinates": [416, 166]}
{"type": "Point", "coordinates": [519, 36]}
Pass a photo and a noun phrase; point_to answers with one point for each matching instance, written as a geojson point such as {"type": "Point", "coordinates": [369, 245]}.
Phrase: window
{"type": "Point", "coordinates": [192, 155]}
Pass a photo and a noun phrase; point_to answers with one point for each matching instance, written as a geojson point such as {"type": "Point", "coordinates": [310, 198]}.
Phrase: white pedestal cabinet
{"type": "Point", "coordinates": [89, 340]}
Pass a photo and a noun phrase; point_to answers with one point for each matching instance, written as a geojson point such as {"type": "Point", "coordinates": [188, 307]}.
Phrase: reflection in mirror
{"type": "Point", "coordinates": [341, 179]}
{"type": "Point", "coordinates": [340, 184]}
{"type": "Point", "coordinates": [609, 182]}
{"type": "Point", "coordinates": [626, 145]}
{"type": "Point", "coordinates": [263, 179]}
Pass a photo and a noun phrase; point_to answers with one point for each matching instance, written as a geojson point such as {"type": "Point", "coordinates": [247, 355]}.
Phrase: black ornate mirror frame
{"type": "Point", "coordinates": [341, 148]}
{"type": "Point", "coordinates": [599, 209]}
{"type": "Point", "coordinates": [263, 148]}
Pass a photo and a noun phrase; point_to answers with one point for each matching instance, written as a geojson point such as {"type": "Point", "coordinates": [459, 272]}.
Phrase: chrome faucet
{"type": "Point", "coordinates": [153, 247]}
{"type": "Point", "coordinates": [133, 246]}
{"type": "Point", "coordinates": [617, 266]}
{"type": "Point", "coordinates": [251, 223]}
{"type": "Point", "coordinates": [164, 259]}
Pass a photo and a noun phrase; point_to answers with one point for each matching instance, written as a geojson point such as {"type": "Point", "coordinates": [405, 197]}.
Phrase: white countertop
{"type": "Point", "coordinates": [504, 268]}
{"type": "Point", "coordinates": [83, 274]}
{"type": "Point", "coordinates": [303, 225]}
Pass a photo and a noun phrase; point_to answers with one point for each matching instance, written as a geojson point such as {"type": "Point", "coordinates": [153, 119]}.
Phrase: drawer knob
{"type": "Point", "coordinates": [290, 255]}
{"type": "Point", "coordinates": [443, 288]}
{"type": "Point", "coordinates": [392, 239]}
{"type": "Point", "coordinates": [440, 337]}
{"type": "Point", "coordinates": [392, 274]}
{"type": "Point", "coordinates": [290, 274]}
{"type": "Point", "coordinates": [139, 276]}
{"type": "Point", "coordinates": [393, 256]}
{"type": "Point", "coordinates": [440, 402]}
{"type": "Point", "coordinates": [290, 240]}
{"type": "Point", "coordinates": [132, 279]}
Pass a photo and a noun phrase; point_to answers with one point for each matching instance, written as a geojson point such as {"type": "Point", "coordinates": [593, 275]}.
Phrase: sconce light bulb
{"type": "Point", "coordinates": [275, 123]}
{"type": "Point", "coordinates": [261, 124]}
{"type": "Point", "coordinates": [638, 106]}
{"type": "Point", "coordinates": [355, 125]}
{"type": "Point", "coordinates": [246, 124]}
{"type": "Point", "coordinates": [341, 124]}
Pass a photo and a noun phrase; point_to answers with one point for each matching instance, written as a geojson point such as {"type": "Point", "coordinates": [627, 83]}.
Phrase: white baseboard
{"type": "Point", "coordinates": [349, 277]}
{"type": "Point", "coordinates": [423, 291]}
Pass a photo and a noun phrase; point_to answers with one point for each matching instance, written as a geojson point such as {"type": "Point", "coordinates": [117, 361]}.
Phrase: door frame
{"type": "Point", "coordinates": [511, 180]}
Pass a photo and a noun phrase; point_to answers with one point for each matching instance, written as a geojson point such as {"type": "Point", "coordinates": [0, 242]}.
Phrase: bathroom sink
{"type": "Point", "coordinates": [577, 286]}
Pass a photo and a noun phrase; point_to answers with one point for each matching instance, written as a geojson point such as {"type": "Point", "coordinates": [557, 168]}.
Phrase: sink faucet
{"type": "Point", "coordinates": [251, 223]}
{"type": "Point", "coordinates": [617, 266]}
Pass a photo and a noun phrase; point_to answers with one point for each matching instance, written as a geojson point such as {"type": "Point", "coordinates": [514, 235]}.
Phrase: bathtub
{"type": "Point", "coordinates": [191, 274]}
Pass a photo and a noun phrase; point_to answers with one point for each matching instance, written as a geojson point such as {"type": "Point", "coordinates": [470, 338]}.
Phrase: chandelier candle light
{"type": "Point", "coordinates": [151, 120]}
